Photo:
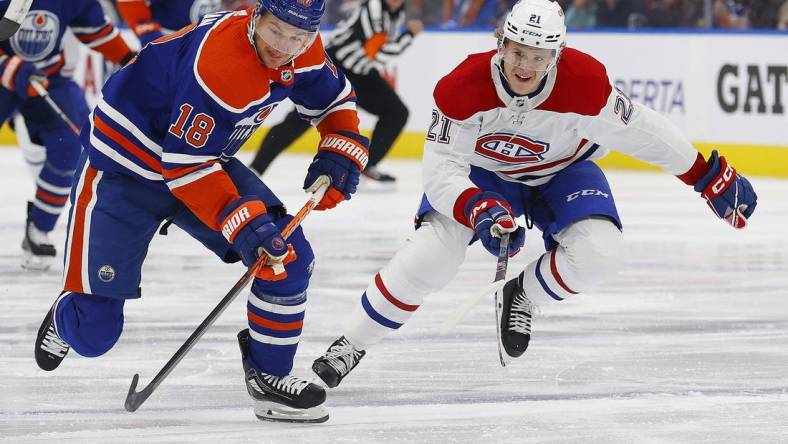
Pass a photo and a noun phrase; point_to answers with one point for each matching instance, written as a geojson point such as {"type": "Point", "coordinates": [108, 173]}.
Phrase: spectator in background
{"type": "Point", "coordinates": [472, 13]}
{"type": "Point", "coordinates": [732, 14]}
{"type": "Point", "coordinates": [674, 14]}
{"type": "Point", "coordinates": [765, 13]}
{"type": "Point", "coordinates": [782, 17]}
{"type": "Point", "coordinates": [581, 14]}
{"type": "Point", "coordinates": [430, 12]}
{"type": "Point", "coordinates": [614, 13]}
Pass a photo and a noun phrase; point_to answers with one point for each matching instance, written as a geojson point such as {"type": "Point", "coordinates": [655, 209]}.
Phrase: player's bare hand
{"type": "Point", "coordinates": [415, 26]}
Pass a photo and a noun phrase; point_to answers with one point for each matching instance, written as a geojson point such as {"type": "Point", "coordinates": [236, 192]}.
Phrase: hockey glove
{"type": "Point", "coordinates": [729, 195]}
{"type": "Point", "coordinates": [490, 215]}
{"type": "Point", "coordinates": [251, 231]}
{"type": "Point", "coordinates": [342, 157]}
{"type": "Point", "coordinates": [17, 73]}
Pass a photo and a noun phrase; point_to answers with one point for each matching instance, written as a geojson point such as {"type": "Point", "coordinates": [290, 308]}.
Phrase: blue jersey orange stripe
{"type": "Point", "coordinates": [175, 112]}
{"type": "Point", "coordinates": [39, 39]}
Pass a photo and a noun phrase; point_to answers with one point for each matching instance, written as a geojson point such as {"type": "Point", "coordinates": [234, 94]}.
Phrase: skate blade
{"type": "Point", "coordinates": [502, 355]}
{"type": "Point", "coordinates": [32, 262]}
{"type": "Point", "coordinates": [272, 411]}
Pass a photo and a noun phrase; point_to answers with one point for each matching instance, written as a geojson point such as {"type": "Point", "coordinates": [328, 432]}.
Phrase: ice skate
{"type": "Point", "coordinates": [516, 312]}
{"type": "Point", "coordinates": [50, 348]}
{"type": "Point", "coordinates": [337, 362]}
{"type": "Point", "coordinates": [373, 179]}
{"type": "Point", "coordinates": [39, 252]}
{"type": "Point", "coordinates": [281, 398]}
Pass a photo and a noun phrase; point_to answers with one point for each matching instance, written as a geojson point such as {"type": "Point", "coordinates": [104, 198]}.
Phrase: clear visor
{"type": "Point", "coordinates": [528, 58]}
{"type": "Point", "coordinates": [283, 37]}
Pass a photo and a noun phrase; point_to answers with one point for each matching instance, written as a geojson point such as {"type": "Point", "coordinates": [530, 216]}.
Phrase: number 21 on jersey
{"type": "Point", "coordinates": [199, 129]}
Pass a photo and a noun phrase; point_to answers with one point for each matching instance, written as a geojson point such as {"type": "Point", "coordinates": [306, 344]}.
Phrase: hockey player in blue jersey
{"type": "Point", "coordinates": [34, 54]}
{"type": "Point", "coordinates": [151, 19]}
{"type": "Point", "coordinates": [160, 145]}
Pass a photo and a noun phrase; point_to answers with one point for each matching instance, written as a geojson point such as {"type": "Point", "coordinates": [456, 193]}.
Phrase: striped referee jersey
{"type": "Point", "coordinates": [370, 38]}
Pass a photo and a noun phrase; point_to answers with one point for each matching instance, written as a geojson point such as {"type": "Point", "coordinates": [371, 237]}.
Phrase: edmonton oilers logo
{"type": "Point", "coordinates": [37, 35]}
{"type": "Point", "coordinates": [106, 273]}
{"type": "Point", "coordinates": [201, 8]}
{"type": "Point", "coordinates": [260, 116]}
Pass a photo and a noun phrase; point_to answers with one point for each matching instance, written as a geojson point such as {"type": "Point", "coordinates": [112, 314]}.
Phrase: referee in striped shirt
{"type": "Point", "coordinates": [372, 36]}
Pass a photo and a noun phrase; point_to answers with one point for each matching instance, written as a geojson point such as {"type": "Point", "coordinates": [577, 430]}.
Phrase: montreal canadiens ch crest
{"type": "Point", "coordinates": [511, 148]}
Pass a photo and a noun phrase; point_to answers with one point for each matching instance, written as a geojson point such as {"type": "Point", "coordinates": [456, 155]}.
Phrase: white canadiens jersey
{"type": "Point", "coordinates": [576, 115]}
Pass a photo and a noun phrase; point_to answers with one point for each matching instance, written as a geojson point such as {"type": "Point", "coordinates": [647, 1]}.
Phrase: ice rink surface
{"type": "Point", "coordinates": [688, 344]}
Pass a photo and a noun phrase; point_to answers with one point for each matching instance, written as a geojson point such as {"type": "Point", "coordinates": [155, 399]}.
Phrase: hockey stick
{"type": "Point", "coordinates": [45, 95]}
{"type": "Point", "coordinates": [12, 20]}
{"type": "Point", "coordinates": [135, 399]}
{"type": "Point", "coordinates": [500, 277]}
{"type": "Point", "coordinates": [497, 284]}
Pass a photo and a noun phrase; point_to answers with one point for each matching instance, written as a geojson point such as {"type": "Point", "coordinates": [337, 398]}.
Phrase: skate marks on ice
{"type": "Point", "coordinates": [687, 344]}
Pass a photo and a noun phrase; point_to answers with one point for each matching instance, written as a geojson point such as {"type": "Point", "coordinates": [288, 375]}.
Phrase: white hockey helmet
{"type": "Point", "coordinates": [535, 23]}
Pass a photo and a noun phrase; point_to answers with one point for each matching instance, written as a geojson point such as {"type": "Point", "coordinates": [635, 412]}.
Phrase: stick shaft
{"type": "Point", "coordinates": [135, 399]}
{"type": "Point", "coordinates": [52, 104]}
{"type": "Point", "coordinates": [12, 19]}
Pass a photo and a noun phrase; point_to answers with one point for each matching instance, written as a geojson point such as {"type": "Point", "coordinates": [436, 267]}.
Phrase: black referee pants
{"type": "Point", "coordinates": [373, 94]}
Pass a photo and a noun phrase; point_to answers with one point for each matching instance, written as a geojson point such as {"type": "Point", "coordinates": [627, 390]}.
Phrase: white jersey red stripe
{"type": "Point", "coordinates": [575, 115]}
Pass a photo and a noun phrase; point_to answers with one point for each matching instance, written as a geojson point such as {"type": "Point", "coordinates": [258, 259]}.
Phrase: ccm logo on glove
{"type": "Point", "coordinates": [723, 181]}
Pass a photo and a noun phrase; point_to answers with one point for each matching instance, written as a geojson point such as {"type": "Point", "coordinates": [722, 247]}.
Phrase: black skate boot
{"type": "Point", "coordinates": [281, 398]}
{"type": "Point", "coordinates": [50, 349]}
{"type": "Point", "coordinates": [516, 318]}
{"type": "Point", "coordinates": [39, 253]}
{"type": "Point", "coordinates": [337, 362]}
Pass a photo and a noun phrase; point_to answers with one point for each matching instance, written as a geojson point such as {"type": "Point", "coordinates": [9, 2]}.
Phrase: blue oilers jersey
{"type": "Point", "coordinates": [39, 38]}
{"type": "Point", "coordinates": [167, 15]}
{"type": "Point", "coordinates": [192, 98]}
{"type": "Point", "coordinates": [175, 14]}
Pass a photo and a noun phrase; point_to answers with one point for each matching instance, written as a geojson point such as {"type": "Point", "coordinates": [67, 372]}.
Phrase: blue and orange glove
{"type": "Point", "coordinates": [490, 216]}
{"type": "Point", "coordinates": [341, 156]}
{"type": "Point", "coordinates": [17, 74]}
{"type": "Point", "coordinates": [246, 224]}
{"type": "Point", "coordinates": [729, 194]}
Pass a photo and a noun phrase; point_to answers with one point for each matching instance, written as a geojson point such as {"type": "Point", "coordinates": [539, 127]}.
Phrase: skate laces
{"type": "Point", "coordinates": [53, 344]}
{"type": "Point", "coordinates": [289, 383]}
{"type": "Point", "coordinates": [520, 314]}
{"type": "Point", "coordinates": [342, 357]}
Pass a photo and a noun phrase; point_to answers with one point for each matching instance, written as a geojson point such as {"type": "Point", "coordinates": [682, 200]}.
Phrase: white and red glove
{"type": "Point", "coordinates": [729, 194]}
{"type": "Point", "coordinates": [491, 216]}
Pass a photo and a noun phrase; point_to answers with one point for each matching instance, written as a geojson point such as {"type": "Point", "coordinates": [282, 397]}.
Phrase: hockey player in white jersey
{"type": "Point", "coordinates": [520, 140]}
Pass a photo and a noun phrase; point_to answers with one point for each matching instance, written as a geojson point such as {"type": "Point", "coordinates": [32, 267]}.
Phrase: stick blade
{"type": "Point", "coordinates": [502, 355]}
{"type": "Point", "coordinates": [134, 400]}
{"type": "Point", "coordinates": [8, 28]}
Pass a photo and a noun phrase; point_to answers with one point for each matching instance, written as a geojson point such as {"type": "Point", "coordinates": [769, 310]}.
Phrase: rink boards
{"type": "Point", "coordinates": [724, 90]}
